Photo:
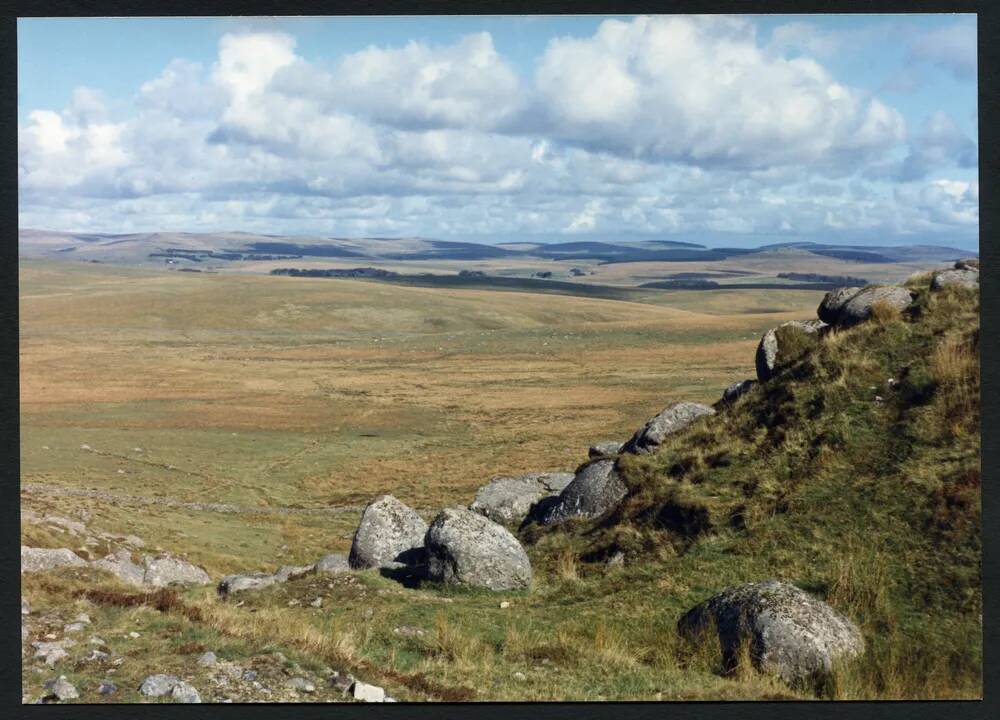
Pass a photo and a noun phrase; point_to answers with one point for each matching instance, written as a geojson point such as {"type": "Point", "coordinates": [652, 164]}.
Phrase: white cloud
{"type": "Point", "coordinates": [952, 47]}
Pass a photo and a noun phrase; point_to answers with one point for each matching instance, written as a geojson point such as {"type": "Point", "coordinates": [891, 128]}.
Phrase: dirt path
{"type": "Point", "coordinates": [42, 489]}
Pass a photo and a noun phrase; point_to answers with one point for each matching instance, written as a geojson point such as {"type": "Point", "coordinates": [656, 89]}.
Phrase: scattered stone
{"type": "Point", "coordinates": [301, 683]}
{"type": "Point", "coordinates": [333, 563]}
{"type": "Point", "coordinates": [107, 688]}
{"type": "Point", "coordinates": [737, 390]}
{"type": "Point", "coordinates": [858, 307]}
{"type": "Point", "coordinates": [367, 693]}
{"type": "Point", "coordinates": [595, 490]}
{"type": "Point", "coordinates": [520, 676]}
{"type": "Point", "coordinates": [291, 572]}
{"type": "Point", "coordinates": [207, 659]}
{"type": "Point", "coordinates": [95, 655]}
{"type": "Point", "coordinates": [504, 605]}
{"type": "Point", "coordinates": [96, 640]}
{"type": "Point", "coordinates": [158, 685]}
{"type": "Point", "coordinates": [966, 277]}
{"type": "Point", "coordinates": [134, 635]}
{"type": "Point", "coordinates": [184, 693]}
{"type": "Point", "coordinates": [784, 344]}
{"type": "Point", "coordinates": [25, 607]}
{"type": "Point", "coordinates": [249, 675]}
{"type": "Point", "coordinates": [37, 559]}
{"type": "Point", "coordinates": [605, 448]}
{"type": "Point", "coordinates": [62, 689]}
{"type": "Point", "coordinates": [467, 548]}
{"type": "Point", "coordinates": [674, 418]}
{"type": "Point", "coordinates": [74, 627]}
{"type": "Point", "coordinates": [616, 560]}
{"type": "Point", "coordinates": [389, 532]}
{"type": "Point", "coordinates": [409, 631]}
{"type": "Point", "coordinates": [507, 500]}
{"type": "Point", "coordinates": [165, 570]}
{"type": "Point", "coordinates": [340, 681]}
{"type": "Point", "coordinates": [52, 652]}
{"type": "Point", "coordinates": [317, 603]}
{"type": "Point", "coordinates": [789, 632]}
{"type": "Point", "coordinates": [82, 618]}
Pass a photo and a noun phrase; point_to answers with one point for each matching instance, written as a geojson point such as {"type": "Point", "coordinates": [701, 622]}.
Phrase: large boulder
{"type": "Point", "coordinates": [164, 570]}
{"type": "Point", "coordinates": [858, 308]}
{"type": "Point", "coordinates": [389, 533]}
{"type": "Point", "coordinates": [595, 490]}
{"type": "Point", "coordinates": [784, 344]}
{"type": "Point", "coordinates": [507, 500]}
{"type": "Point", "coordinates": [737, 390]}
{"type": "Point", "coordinates": [37, 559]}
{"type": "Point", "coordinates": [605, 448]}
{"type": "Point", "coordinates": [966, 277]}
{"type": "Point", "coordinates": [787, 631]}
{"type": "Point", "coordinates": [467, 548]}
{"type": "Point", "coordinates": [833, 303]}
{"type": "Point", "coordinates": [120, 564]}
{"type": "Point", "coordinates": [672, 419]}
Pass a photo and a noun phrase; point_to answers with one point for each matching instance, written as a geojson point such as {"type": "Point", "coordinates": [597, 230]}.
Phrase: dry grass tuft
{"type": "Point", "coordinates": [883, 312]}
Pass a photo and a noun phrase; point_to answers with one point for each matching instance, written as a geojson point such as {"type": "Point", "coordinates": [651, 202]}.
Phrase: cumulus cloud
{"type": "Point", "coordinates": [658, 125]}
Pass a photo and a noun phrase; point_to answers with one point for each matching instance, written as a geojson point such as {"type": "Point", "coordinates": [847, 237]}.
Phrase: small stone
{"type": "Point", "coordinates": [95, 640]}
{"type": "Point", "coordinates": [249, 675]}
{"type": "Point", "coordinates": [133, 635]}
{"type": "Point", "coordinates": [25, 607]}
{"type": "Point", "coordinates": [340, 681]}
{"type": "Point", "coordinates": [158, 685]}
{"type": "Point", "coordinates": [293, 602]}
{"type": "Point", "coordinates": [301, 683]}
{"type": "Point", "coordinates": [107, 688]}
{"type": "Point", "coordinates": [74, 627]}
{"type": "Point", "coordinates": [367, 693]}
{"type": "Point", "coordinates": [62, 688]}
{"type": "Point", "coordinates": [504, 605]}
{"type": "Point", "coordinates": [409, 631]}
{"type": "Point", "coordinates": [207, 659]}
{"type": "Point", "coordinates": [95, 655]}
{"type": "Point", "coordinates": [520, 676]}
{"type": "Point", "coordinates": [85, 446]}
{"type": "Point", "coordinates": [184, 693]}
{"type": "Point", "coordinates": [318, 602]}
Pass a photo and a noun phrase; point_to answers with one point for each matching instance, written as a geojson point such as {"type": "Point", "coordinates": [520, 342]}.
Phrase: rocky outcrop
{"type": "Point", "coordinates": [842, 309]}
{"type": "Point", "coordinates": [333, 563]}
{"type": "Point", "coordinates": [595, 490]}
{"type": "Point", "coordinates": [787, 631]}
{"type": "Point", "coordinates": [250, 581]}
{"type": "Point", "coordinates": [672, 419]}
{"type": "Point", "coordinates": [467, 548]}
{"type": "Point", "coordinates": [965, 274]}
{"type": "Point", "coordinates": [605, 448]}
{"type": "Point", "coordinates": [38, 559]}
{"type": "Point", "coordinates": [164, 570]}
{"type": "Point", "coordinates": [160, 685]}
{"type": "Point", "coordinates": [507, 500]}
{"type": "Point", "coordinates": [735, 391]}
{"type": "Point", "coordinates": [389, 533]}
{"type": "Point", "coordinates": [784, 344]}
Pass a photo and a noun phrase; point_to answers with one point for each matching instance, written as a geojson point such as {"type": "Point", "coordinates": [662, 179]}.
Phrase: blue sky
{"type": "Point", "coordinates": [731, 130]}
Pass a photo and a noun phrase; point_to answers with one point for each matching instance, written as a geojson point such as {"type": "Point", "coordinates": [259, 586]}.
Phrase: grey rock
{"type": "Point", "coordinates": [340, 681]}
{"type": "Point", "coordinates": [238, 583]}
{"type": "Point", "coordinates": [25, 607]}
{"type": "Point", "coordinates": [595, 490]}
{"type": "Point", "coordinates": [859, 307]}
{"type": "Point", "coordinates": [249, 675]}
{"type": "Point", "coordinates": [389, 531]}
{"type": "Point", "coordinates": [37, 559]}
{"type": "Point", "coordinates": [333, 563]}
{"type": "Point", "coordinates": [165, 570]}
{"type": "Point", "coordinates": [291, 572]}
{"type": "Point", "coordinates": [367, 693]}
{"type": "Point", "coordinates": [787, 631]}
{"type": "Point", "coordinates": [833, 303]}
{"type": "Point", "coordinates": [967, 264]}
{"type": "Point", "coordinates": [409, 631]}
{"type": "Point", "coordinates": [317, 603]}
{"type": "Point", "coordinates": [616, 560]}
{"type": "Point", "coordinates": [964, 277]}
{"type": "Point", "coordinates": [467, 548]}
{"type": "Point", "coordinates": [508, 500]}
{"type": "Point", "coordinates": [301, 683]}
{"type": "Point", "coordinates": [52, 652]}
{"type": "Point", "coordinates": [780, 346]}
{"type": "Point", "coordinates": [107, 688]}
{"type": "Point", "coordinates": [184, 693]}
{"type": "Point", "coordinates": [95, 655]}
{"type": "Point", "coordinates": [158, 685]}
{"type": "Point", "coordinates": [674, 418]}
{"type": "Point", "coordinates": [62, 689]}
{"type": "Point", "coordinates": [74, 627]}
{"type": "Point", "coordinates": [737, 390]}
{"type": "Point", "coordinates": [207, 659]}
{"type": "Point", "coordinates": [119, 563]}
{"type": "Point", "coordinates": [605, 448]}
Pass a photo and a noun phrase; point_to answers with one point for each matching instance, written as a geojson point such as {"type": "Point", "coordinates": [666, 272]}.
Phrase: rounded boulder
{"type": "Point", "coordinates": [672, 419]}
{"type": "Point", "coordinates": [595, 490]}
{"type": "Point", "coordinates": [784, 344]}
{"type": "Point", "coordinates": [467, 548]}
{"type": "Point", "coordinates": [389, 533]}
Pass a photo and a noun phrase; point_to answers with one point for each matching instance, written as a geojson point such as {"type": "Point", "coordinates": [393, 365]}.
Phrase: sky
{"type": "Point", "coordinates": [725, 130]}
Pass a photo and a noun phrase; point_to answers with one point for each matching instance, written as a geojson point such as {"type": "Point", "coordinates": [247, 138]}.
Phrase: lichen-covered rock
{"type": "Point", "coordinates": [859, 307]}
{"type": "Point", "coordinates": [62, 689]}
{"type": "Point", "coordinates": [119, 563]}
{"type": "Point", "coordinates": [784, 344]}
{"type": "Point", "coordinates": [833, 303]}
{"type": "Point", "coordinates": [605, 448]}
{"type": "Point", "coordinates": [291, 572]}
{"type": "Point", "coordinates": [507, 500]}
{"type": "Point", "coordinates": [184, 693]}
{"type": "Point", "coordinates": [389, 533]}
{"type": "Point", "coordinates": [595, 490]}
{"type": "Point", "coordinates": [787, 631]}
{"type": "Point", "coordinates": [158, 685]}
{"type": "Point", "coordinates": [38, 559]}
{"type": "Point", "coordinates": [674, 418]}
{"type": "Point", "coordinates": [467, 548]}
{"type": "Point", "coordinates": [966, 277]}
{"type": "Point", "coordinates": [333, 563]}
{"type": "Point", "coordinates": [164, 570]}
{"type": "Point", "coordinates": [737, 390]}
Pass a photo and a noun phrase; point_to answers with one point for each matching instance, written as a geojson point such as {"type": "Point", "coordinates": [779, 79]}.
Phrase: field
{"type": "Point", "coordinates": [298, 400]}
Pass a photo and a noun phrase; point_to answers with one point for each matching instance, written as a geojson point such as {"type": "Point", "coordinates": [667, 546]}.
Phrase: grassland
{"type": "Point", "coordinates": [295, 392]}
